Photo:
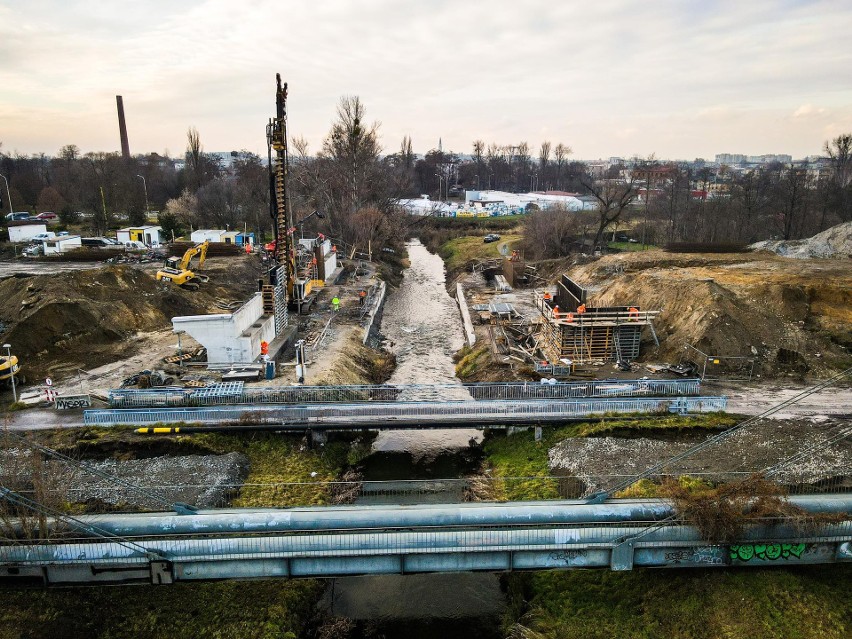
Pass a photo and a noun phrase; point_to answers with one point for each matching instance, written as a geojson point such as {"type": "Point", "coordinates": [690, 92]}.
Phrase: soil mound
{"type": "Point", "coordinates": [87, 318]}
{"type": "Point", "coordinates": [835, 242]}
{"type": "Point", "coordinates": [792, 316]}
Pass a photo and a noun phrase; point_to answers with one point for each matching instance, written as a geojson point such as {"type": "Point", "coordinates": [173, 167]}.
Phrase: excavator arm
{"type": "Point", "coordinates": [198, 249]}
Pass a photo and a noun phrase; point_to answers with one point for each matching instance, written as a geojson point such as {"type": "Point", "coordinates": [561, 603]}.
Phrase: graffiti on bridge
{"type": "Point", "coordinates": [707, 555]}
{"type": "Point", "coordinates": [568, 556]}
{"type": "Point", "coordinates": [767, 552]}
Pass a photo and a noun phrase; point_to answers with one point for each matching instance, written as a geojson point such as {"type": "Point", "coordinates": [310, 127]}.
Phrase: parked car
{"type": "Point", "coordinates": [33, 249]}
{"type": "Point", "coordinates": [491, 237]}
{"type": "Point", "coordinates": [41, 237]}
{"type": "Point", "coordinates": [134, 245]}
{"type": "Point", "coordinates": [47, 215]}
{"type": "Point", "coordinates": [20, 215]}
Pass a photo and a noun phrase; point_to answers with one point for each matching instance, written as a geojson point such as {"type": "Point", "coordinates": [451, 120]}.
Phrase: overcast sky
{"type": "Point", "coordinates": [678, 78]}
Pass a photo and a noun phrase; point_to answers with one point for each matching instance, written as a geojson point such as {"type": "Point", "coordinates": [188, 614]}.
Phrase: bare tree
{"type": "Point", "coordinates": [839, 151]}
{"type": "Point", "coordinates": [560, 156]}
{"type": "Point", "coordinates": [613, 199]}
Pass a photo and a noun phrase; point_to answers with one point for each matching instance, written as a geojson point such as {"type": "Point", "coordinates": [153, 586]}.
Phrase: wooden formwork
{"type": "Point", "coordinates": [596, 334]}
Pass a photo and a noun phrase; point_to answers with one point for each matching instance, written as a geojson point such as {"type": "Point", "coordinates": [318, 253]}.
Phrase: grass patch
{"type": "Point", "coordinates": [631, 246]}
{"type": "Point", "coordinates": [469, 360]}
{"type": "Point", "coordinates": [806, 603]}
{"type": "Point", "coordinates": [281, 459]}
{"type": "Point", "coordinates": [228, 610]}
{"type": "Point", "coordinates": [461, 251]}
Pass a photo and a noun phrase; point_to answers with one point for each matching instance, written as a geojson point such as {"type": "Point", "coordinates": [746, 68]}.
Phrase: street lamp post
{"type": "Point", "coordinates": [8, 348]}
{"type": "Point", "coordinates": [8, 193]}
{"type": "Point", "coordinates": [145, 187]}
{"type": "Point", "coordinates": [477, 181]}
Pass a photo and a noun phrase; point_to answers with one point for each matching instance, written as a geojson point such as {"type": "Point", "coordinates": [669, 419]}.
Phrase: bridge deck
{"type": "Point", "coordinates": [394, 415]}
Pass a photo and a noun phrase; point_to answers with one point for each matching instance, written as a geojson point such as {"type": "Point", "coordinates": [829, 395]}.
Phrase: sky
{"type": "Point", "coordinates": [678, 79]}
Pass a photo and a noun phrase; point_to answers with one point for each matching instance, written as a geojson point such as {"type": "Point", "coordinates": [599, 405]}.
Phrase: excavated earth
{"type": "Point", "coordinates": [794, 316]}
{"type": "Point", "coordinates": [85, 318]}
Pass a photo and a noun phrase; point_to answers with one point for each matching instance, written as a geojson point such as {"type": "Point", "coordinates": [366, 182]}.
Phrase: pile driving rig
{"type": "Point", "coordinates": [292, 278]}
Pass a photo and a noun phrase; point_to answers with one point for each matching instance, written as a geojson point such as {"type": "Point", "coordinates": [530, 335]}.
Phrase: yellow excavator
{"type": "Point", "coordinates": [9, 368]}
{"type": "Point", "coordinates": [177, 270]}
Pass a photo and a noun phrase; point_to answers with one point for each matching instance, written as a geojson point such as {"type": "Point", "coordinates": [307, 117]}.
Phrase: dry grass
{"type": "Point", "coordinates": [721, 514]}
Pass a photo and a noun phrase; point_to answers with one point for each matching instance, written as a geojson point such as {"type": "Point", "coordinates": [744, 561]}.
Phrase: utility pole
{"type": "Point", "coordinates": [145, 187]}
{"type": "Point", "coordinates": [8, 193]}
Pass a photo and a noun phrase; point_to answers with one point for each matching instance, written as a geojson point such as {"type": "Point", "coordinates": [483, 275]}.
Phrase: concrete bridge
{"type": "Point", "coordinates": [165, 548]}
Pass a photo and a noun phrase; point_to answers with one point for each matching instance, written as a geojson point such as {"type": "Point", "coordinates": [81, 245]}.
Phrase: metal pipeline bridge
{"type": "Point", "coordinates": [163, 548]}
{"type": "Point", "coordinates": [52, 546]}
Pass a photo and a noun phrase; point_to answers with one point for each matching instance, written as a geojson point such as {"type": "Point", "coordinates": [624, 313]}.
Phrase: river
{"type": "Point", "coordinates": [422, 327]}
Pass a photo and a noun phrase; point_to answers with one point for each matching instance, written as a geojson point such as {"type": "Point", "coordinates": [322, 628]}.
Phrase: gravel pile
{"type": "Point", "coordinates": [835, 242]}
{"type": "Point", "coordinates": [595, 460]}
{"type": "Point", "coordinates": [200, 480]}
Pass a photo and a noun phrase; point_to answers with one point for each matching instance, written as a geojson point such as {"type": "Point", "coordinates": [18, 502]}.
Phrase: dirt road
{"type": "Point", "coordinates": [754, 399]}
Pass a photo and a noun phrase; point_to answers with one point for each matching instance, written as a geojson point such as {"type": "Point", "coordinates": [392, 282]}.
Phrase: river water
{"type": "Point", "coordinates": [422, 327]}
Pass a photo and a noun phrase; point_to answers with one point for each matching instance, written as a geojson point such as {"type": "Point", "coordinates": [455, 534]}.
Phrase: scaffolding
{"type": "Point", "coordinates": [584, 334]}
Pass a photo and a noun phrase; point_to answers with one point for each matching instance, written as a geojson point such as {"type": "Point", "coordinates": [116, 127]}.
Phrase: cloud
{"type": "Point", "coordinates": [808, 111]}
{"type": "Point", "coordinates": [578, 73]}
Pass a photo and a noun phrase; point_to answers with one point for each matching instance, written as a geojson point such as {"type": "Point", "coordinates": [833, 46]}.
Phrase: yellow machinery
{"type": "Point", "coordinates": [8, 368]}
{"type": "Point", "coordinates": [177, 271]}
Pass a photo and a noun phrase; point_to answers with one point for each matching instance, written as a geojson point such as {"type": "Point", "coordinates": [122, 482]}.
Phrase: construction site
{"type": "Point", "coordinates": [273, 389]}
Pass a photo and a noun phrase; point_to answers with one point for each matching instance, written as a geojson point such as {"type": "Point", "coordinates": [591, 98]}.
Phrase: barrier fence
{"type": "Point", "coordinates": [229, 394]}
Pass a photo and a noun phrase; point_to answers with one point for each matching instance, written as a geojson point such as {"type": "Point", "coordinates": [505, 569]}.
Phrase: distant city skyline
{"type": "Point", "coordinates": [680, 80]}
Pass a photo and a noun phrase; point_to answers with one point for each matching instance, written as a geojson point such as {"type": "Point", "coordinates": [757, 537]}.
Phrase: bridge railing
{"type": "Point", "coordinates": [379, 415]}
{"type": "Point", "coordinates": [173, 397]}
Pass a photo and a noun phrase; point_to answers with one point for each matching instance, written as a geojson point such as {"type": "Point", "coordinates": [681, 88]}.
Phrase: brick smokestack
{"type": "Point", "coordinates": [122, 128]}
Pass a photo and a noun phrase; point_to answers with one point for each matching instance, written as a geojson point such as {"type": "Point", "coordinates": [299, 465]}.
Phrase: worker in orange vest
{"type": "Point", "coordinates": [264, 348]}
{"type": "Point", "coordinates": [633, 313]}
{"type": "Point", "coordinates": [581, 309]}
{"type": "Point", "coordinates": [248, 248]}
{"type": "Point", "coordinates": [556, 312]}
{"type": "Point", "coordinates": [547, 296]}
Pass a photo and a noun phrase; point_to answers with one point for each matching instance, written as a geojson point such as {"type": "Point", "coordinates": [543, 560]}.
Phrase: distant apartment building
{"type": "Point", "coordinates": [739, 158]}
{"type": "Point", "coordinates": [730, 158]}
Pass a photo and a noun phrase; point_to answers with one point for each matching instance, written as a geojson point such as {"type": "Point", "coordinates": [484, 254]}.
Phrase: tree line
{"type": "Point", "coordinates": [358, 186]}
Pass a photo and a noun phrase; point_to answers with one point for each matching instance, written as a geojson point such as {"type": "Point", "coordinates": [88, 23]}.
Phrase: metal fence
{"type": "Point", "coordinates": [389, 415]}
{"type": "Point", "coordinates": [168, 397]}
{"type": "Point", "coordinates": [720, 367]}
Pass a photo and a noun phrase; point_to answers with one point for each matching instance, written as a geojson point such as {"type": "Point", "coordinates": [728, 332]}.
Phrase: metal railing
{"type": "Point", "coordinates": [382, 416]}
{"type": "Point", "coordinates": [166, 397]}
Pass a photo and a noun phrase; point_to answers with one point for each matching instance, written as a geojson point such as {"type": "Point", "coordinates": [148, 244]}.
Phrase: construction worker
{"type": "Point", "coordinates": [335, 304]}
{"type": "Point", "coordinates": [556, 312]}
{"type": "Point", "coordinates": [633, 314]}
{"type": "Point", "coordinates": [264, 348]}
{"type": "Point", "coordinates": [362, 295]}
{"type": "Point", "coordinates": [547, 296]}
{"type": "Point", "coordinates": [581, 309]}
{"type": "Point", "coordinates": [248, 248]}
